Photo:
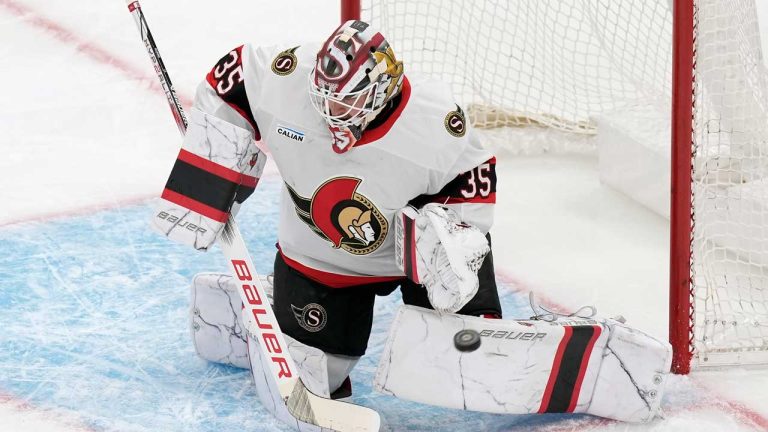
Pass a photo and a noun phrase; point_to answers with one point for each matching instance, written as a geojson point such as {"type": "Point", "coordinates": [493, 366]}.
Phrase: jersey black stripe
{"type": "Point", "coordinates": [408, 246]}
{"type": "Point", "coordinates": [230, 86]}
{"type": "Point", "coordinates": [238, 97]}
{"type": "Point", "coordinates": [458, 187]}
{"type": "Point", "coordinates": [205, 187]}
{"type": "Point", "coordinates": [570, 365]}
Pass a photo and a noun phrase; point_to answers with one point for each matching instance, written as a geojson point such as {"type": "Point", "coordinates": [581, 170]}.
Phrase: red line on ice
{"type": "Point", "coordinates": [80, 211]}
{"type": "Point", "coordinates": [20, 406]}
{"type": "Point", "coordinates": [739, 411]}
{"type": "Point", "coordinates": [92, 51]}
{"type": "Point", "coordinates": [100, 55]}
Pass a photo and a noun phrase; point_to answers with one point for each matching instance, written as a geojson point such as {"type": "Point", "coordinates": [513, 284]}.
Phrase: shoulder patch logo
{"type": "Point", "coordinates": [456, 122]}
{"type": "Point", "coordinates": [285, 62]}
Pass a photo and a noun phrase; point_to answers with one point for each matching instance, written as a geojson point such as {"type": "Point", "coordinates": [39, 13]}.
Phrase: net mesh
{"type": "Point", "coordinates": [551, 62]}
{"type": "Point", "coordinates": [554, 65]}
{"type": "Point", "coordinates": [730, 279]}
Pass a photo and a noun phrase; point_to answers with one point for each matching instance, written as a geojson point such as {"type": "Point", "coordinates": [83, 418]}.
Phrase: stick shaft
{"type": "Point", "coordinates": [260, 319]}
{"type": "Point", "coordinates": [157, 61]}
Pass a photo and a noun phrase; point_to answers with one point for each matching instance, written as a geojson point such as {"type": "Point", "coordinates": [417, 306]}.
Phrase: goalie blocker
{"type": "Point", "coordinates": [594, 366]}
{"type": "Point", "coordinates": [217, 169]}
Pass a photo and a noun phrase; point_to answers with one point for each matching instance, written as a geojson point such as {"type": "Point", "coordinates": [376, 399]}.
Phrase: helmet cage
{"type": "Point", "coordinates": [355, 74]}
{"type": "Point", "coordinates": [349, 109]}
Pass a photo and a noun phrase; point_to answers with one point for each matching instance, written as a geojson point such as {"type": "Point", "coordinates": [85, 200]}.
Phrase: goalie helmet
{"type": "Point", "coordinates": [355, 75]}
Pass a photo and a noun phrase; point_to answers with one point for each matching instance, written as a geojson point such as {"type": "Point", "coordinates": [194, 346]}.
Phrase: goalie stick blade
{"type": "Point", "coordinates": [331, 414]}
{"type": "Point", "coordinates": [300, 402]}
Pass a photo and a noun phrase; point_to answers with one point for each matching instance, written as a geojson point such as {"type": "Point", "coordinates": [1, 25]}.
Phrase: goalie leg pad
{"type": "Point", "coordinates": [524, 367]}
{"type": "Point", "coordinates": [319, 372]}
{"type": "Point", "coordinates": [630, 369]}
{"type": "Point", "coordinates": [216, 324]}
{"type": "Point", "coordinates": [219, 336]}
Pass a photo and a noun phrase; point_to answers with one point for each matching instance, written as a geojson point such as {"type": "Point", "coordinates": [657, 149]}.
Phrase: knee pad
{"type": "Point", "coordinates": [321, 373]}
{"type": "Point", "coordinates": [216, 324]}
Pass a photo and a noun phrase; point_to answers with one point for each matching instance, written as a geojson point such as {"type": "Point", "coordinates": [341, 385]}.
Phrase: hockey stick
{"type": "Point", "coordinates": [260, 320]}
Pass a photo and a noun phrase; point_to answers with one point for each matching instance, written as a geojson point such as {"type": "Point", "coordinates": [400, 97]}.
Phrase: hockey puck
{"type": "Point", "coordinates": [466, 340]}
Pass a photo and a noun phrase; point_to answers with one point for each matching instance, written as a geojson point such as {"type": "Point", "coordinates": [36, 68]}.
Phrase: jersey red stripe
{"type": "Point", "coordinates": [334, 280]}
{"type": "Point", "coordinates": [490, 199]}
{"type": "Point", "coordinates": [412, 253]}
{"type": "Point", "coordinates": [376, 133]}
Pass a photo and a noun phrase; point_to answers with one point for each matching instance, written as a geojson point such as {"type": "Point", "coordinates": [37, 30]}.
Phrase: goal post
{"type": "Point", "coordinates": [691, 69]}
{"type": "Point", "coordinates": [680, 283]}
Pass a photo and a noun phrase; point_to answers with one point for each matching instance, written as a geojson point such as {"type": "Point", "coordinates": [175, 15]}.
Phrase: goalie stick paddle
{"type": "Point", "coordinates": [260, 320]}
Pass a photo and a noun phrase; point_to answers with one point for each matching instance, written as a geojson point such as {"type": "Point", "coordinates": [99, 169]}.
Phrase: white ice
{"type": "Point", "coordinates": [83, 127]}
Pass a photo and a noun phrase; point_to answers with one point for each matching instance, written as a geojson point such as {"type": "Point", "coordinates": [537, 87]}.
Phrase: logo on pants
{"type": "Point", "coordinates": [311, 317]}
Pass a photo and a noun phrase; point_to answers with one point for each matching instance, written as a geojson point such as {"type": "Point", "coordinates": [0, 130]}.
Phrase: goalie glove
{"type": "Point", "coordinates": [216, 170]}
{"type": "Point", "coordinates": [434, 248]}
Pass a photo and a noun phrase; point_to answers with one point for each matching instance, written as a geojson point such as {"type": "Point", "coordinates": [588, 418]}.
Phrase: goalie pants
{"type": "Point", "coordinates": [339, 320]}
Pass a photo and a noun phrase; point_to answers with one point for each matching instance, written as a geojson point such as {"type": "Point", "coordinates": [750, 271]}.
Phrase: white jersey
{"type": "Point", "coordinates": [336, 217]}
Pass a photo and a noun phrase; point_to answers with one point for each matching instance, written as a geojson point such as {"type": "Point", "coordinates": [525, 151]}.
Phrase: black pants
{"type": "Point", "coordinates": [339, 320]}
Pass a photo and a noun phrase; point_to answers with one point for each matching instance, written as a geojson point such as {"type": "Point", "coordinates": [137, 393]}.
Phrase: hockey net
{"type": "Point", "coordinates": [561, 66]}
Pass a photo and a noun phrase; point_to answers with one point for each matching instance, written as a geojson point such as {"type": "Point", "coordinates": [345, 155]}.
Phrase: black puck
{"type": "Point", "coordinates": [466, 340]}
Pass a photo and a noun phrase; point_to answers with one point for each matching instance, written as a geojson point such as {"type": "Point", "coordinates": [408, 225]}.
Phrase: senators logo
{"type": "Point", "coordinates": [456, 122]}
{"type": "Point", "coordinates": [285, 62]}
{"type": "Point", "coordinates": [311, 317]}
{"type": "Point", "coordinates": [340, 215]}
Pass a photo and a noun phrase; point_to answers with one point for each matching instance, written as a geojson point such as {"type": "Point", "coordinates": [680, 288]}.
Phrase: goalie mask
{"type": "Point", "coordinates": [355, 75]}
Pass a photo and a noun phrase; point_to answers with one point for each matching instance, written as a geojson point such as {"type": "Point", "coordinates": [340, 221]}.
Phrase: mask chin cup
{"type": "Point", "coordinates": [356, 131]}
{"type": "Point", "coordinates": [344, 138]}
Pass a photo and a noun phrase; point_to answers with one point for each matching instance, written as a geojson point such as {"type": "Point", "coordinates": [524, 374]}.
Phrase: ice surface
{"type": "Point", "coordinates": [93, 323]}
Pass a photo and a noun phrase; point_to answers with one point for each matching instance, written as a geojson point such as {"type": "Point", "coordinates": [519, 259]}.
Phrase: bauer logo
{"type": "Point", "coordinates": [290, 133]}
{"type": "Point", "coordinates": [285, 62]}
{"type": "Point", "coordinates": [311, 317]}
{"type": "Point", "coordinates": [181, 225]}
{"type": "Point", "coordinates": [512, 335]}
{"type": "Point", "coordinates": [456, 122]}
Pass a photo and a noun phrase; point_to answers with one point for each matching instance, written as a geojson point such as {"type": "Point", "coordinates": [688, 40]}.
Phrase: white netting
{"type": "Point", "coordinates": [556, 64]}
{"type": "Point", "coordinates": [731, 188]}
{"type": "Point", "coordinates": [552, 62]}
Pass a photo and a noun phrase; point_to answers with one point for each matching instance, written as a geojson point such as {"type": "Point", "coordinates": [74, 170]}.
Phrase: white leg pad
{"type": "Point", "coordinates": [314, 367]}
{"type": "Point", "coordinates": [218, 335]}
{"type": "Point", "coordinates": [216, 322]}
{"type": "Point", "coordinates": [525, 366]}
{"type": "Point", "coordinates": [630, 382]}
{"type": "Point", "coordinates": [266, 387]}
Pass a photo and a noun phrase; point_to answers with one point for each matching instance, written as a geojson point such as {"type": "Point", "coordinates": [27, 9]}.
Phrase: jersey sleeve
{"type": "Point", "coordinates": [232, 85]}
{"type": "Point", "coordinates": [468, 186]}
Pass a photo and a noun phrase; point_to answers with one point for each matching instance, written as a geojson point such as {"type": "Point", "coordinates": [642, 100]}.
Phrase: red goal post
{"type": "Point", "coordinates": [695, 65]}
{"type": "Point", "coordinates": [681, 314]}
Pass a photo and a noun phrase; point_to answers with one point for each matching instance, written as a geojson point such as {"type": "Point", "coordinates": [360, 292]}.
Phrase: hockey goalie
{"type": "Point", "coordinates": [385, 187]}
